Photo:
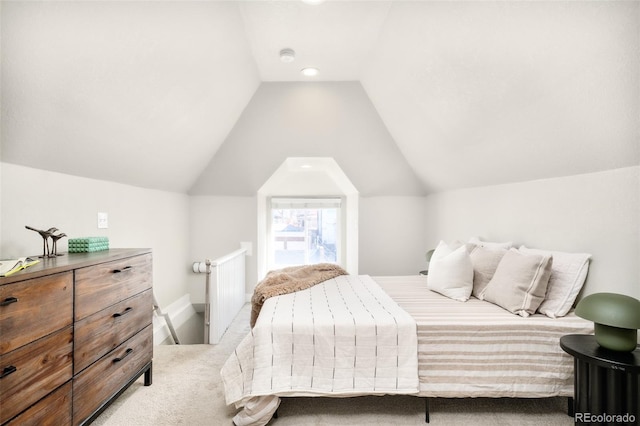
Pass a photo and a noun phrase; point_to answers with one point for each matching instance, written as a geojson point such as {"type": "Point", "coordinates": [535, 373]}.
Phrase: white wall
{"type": "Point", "coordinates": [182, 229]}
{"type": "Point", "coordinates": [597, 213]}
{"type": "Point", "coordinates": [217, 226]}
{"type": "Point", "coordinates": [391, 234]}
{"type": "Point", "coordinates": [138, 217]}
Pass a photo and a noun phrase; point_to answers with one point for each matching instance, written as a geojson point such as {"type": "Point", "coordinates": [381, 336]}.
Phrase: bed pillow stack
{"type": "Point", "coordinates": [527, 280]}
{"type": "Point", "coordinates": [451, 271]}
{"type": "Point", "coordinates": [521, 280]}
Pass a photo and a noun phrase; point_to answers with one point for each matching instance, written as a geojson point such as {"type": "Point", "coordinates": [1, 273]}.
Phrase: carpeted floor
{"type": "Point", "coordinates": [187, 390]}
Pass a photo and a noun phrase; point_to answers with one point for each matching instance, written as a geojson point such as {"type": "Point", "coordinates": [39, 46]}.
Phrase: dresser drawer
{"type": "Point", "coordinates": [34, 308]}
{"type": "Point", "coordinates": [104, 284]}
{"type": "Point", "coordinates": [98, 334]}
{"type": "Point", "coordinates": [32, 371]}
{"type": "Point", "coordinates": [54, 410]}
{"type": "Point", "coordinates": [105, 377]}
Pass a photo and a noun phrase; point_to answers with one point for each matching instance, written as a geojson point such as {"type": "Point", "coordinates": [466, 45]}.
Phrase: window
{"type": "Point", "coordinates": [304, 231]}
{"type": "Point", "coordinates": [309, 182]}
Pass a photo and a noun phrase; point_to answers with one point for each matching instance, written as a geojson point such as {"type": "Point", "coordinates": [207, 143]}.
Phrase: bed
{"type": "Point", "coordinates": [426, 344]}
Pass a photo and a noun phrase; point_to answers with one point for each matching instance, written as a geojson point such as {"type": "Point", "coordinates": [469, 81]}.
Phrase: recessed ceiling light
{"type": "Point", "coordinates": [309, 72]}
{"type": "Point", "coordinates": [305, 166]}
{"type": "Point", "coordinates": [287, 55]}
{"type": "Point", "coordinates": [314, 2]}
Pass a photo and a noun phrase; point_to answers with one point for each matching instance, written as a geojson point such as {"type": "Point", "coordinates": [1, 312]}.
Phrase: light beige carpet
{"type": "Point", "coordinates": [187, 390]}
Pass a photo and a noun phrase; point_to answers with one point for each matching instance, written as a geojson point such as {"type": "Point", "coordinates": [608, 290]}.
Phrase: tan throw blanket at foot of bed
{"type": "Point", "coordinates": [289, 280]}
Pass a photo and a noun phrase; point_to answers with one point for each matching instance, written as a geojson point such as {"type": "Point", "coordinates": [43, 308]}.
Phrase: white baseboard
{"type": "Point", "coordinates": [179, 312]}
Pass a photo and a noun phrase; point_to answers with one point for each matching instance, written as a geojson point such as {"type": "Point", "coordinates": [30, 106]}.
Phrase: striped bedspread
{"type": "Point", "coordinates": [477, 349]}
{"type": "Point", "coordinates": [342, 337]}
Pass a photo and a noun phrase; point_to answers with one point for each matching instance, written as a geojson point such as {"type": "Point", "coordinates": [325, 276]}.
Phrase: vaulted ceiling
{"type": "Point", "coordinates": [155, 93]}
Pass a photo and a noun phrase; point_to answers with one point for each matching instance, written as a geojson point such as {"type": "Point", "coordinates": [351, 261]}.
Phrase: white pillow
{"type": "Point", "coordinates": [451, 272]}
{"type": "Point", "coordinates": [506, 245]}
{"type": "Point", "coordinates": [568, 274]}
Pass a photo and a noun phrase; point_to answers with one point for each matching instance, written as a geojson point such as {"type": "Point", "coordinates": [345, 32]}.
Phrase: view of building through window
{"type": "Point", "coordinates": [304, 234]}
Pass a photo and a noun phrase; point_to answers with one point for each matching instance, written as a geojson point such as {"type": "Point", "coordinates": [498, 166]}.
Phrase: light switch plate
{"type": "Point", "coordinates": [103, 220]}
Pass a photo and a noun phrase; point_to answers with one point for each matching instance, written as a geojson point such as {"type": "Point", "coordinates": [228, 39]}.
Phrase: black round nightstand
{"type": "Point", "coordinates": [606, 382]}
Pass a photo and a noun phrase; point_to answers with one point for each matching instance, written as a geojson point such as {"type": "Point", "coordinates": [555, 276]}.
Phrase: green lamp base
{"type": "Point", "coordinates": [616, 338]}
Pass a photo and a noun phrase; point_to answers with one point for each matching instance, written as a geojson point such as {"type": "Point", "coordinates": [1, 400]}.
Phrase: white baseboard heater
{"type": "Point", "coordinates": [224, 293]}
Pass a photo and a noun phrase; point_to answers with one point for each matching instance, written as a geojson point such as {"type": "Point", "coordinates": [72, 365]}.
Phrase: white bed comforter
{"type": "Point", "coordinates": [342, 337]}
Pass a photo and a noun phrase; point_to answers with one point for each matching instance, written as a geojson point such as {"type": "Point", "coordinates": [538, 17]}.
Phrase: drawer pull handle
{"type": "Point", "coordinates": [126, 311]}
{"type": "Point", "coordinates": [126, 268]}
{"type": "Point", "coordinates": [8, 301]}
{"type": "Point", "coordinates": [126, 353]}
{"type": "Point", "coordinates": [7, 370]}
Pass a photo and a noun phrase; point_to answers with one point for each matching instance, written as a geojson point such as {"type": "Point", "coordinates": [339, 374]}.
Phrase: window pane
{"type": "Point", "coordinates": [302, 236]}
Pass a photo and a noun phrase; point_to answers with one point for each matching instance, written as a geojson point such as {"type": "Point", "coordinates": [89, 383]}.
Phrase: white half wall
{"type": "Point", "coordinates": [597, 213]}
{"type": "Point", "coordinates": [138, 218]}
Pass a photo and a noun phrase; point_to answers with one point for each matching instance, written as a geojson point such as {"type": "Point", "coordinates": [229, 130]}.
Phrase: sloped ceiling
{"type": "Point", "coordinates": [326, 119]}
{"type": "Point", "coordinates": [482, 93]}
{"type": "Point", "coordinates": [473, 93]}
{"type": "Point", "coordinates": [141, 93]}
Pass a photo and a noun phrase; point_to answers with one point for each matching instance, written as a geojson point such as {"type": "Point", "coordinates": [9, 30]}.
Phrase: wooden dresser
{"type": "Point", "coordinates": [75, 332]}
